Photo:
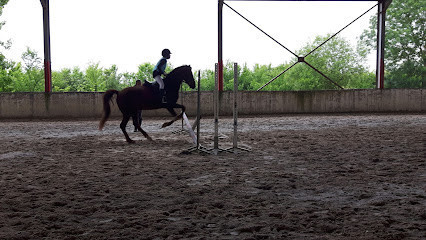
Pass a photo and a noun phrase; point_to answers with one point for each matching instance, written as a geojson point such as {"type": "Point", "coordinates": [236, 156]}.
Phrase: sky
{"type": "Point", "coordinates": [128, 33]}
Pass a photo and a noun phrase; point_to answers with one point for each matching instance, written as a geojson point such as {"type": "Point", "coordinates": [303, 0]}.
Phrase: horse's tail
{"type": "Point", "coordinates": [107, 109]}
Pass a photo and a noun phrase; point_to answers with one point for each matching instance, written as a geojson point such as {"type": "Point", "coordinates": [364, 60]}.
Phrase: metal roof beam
{"type": "Point", "coordinates": [307, 0]}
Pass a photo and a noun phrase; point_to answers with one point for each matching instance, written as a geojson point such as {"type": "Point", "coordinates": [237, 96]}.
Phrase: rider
{"type": "Point", "coordinates": [160, 69]}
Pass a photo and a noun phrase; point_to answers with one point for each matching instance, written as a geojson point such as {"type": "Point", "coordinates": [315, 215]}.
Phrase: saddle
{"type": "Point", "coordinates": [151, 84]}
{"type": "Point", "coordinates": [154, 86]}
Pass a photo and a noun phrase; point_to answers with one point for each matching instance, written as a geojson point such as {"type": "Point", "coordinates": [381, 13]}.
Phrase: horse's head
{"type": "Point", "coordinates": [188, 77]}
{"type": "Point", "coordinates": [180, 74]}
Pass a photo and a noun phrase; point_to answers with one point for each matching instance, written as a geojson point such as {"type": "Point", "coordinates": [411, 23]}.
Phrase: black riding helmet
{"type": "Point", "coordinates": [165, 52]}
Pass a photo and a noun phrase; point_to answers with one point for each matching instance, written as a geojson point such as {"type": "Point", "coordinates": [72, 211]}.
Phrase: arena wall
{"type": "Point", "coordinates": [74, 105]}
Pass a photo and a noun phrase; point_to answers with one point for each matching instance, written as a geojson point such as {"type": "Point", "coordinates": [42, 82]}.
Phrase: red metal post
{"type": "Point", "coordinates": [380, 46]}
{"type": "Point", "coordinates": [380, 65]}
{"type": "Point", "coordinates": [220, 49]}
{"type": "Point", "coordinates": [47, 59]}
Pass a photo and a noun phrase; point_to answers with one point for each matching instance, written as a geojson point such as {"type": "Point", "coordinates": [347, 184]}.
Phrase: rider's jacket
{"type": "Point", "coordinates": [160, 67]}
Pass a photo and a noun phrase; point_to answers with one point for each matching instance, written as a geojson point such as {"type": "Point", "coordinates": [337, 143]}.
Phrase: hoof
{"type": "Point", "coordinates": [130, 141]}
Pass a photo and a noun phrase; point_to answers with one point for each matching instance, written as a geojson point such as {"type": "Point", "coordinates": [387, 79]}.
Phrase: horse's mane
{"type": "Point", "coordinates": [172, 75]}
{"type": "Point", "coordinates": [178, 69]}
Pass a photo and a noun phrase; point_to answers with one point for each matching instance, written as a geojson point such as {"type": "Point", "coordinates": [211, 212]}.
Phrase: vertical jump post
{"type": "Point", "coordinates": [198, 148]}
{"type": "Point", "coordinates": [235, 147]}
{"type": "Point", "coordinates": [216, 148]}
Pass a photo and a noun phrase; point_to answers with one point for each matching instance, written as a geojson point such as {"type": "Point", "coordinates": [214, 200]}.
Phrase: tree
{"type": "Point", "coordinates": [2, 4]}
{"type": "Point", "coordinates": [5, 65]}
{"type": "Point", "coordinates": [33, 78]}
{"type": "Point", "coordinates": [93, 79]}
{"type": "Point", "coordinates": [68, 80]}
{"type": "Point", "coordinates": [111, 78]}
{"type": "Point", "coordinates": [145, 71]}
{"type": "Point", "coordinates": [337, 59]}
{"type": "Point", "coordinates": [5, 78]}
{"type": "Point", "coordinates": [405, 44]}
{"type": "Point", "coordinates": [128, 79]}
{"type": "Point", "coordinates": [207, 80]}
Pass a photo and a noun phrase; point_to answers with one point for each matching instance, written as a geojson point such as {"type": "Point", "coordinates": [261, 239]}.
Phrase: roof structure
{"type": "Point", "coordinates": [307, 0]}
{"type": "Point", "coordinates": [382, 6]}
{"type": "Point", "coordinates": [381, 16]}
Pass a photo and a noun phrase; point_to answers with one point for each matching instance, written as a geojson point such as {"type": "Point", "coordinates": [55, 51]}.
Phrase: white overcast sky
{"type": "Point", "coordinates": [130, 32]}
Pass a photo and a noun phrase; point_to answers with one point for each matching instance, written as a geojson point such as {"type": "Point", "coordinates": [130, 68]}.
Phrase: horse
{"type": "Point", "coordinates": [146, 97]}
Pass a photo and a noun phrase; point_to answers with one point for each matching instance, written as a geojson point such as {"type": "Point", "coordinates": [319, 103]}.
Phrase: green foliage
{"type": "Point", "coordinates": [405, 57]}
{"type": "Point", "coordinates": [343, 66]}
{"type": "Point", "coordinates": [145, 71]}
{"type": "Point", "coordinates": [5, 78]}
{"type": "Point", "coordinates": [128, 80]}
{"type": "Point", "coordinates": [111, 78]}
{"type": "Point", "coordinates": [93, 79]}
{"type": "Point", "coordinates": [6, 67]}
{"type": "Point", "coordinates": [207, 80]}
{"type": "Point", "coordinates": [68, 80]}
{"type": "Point", "coordinates": [337, 59]}
{"type": "Point", "coordinates": [32, 77]}
{"type": "Point", "coordinates": [2, 4]}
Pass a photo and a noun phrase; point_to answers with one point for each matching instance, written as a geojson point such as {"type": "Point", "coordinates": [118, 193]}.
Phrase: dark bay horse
{"type": "Point", "coordinates": [145, 97]}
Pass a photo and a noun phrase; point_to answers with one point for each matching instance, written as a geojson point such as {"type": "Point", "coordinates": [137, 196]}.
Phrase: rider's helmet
{"type": "Point", "coordinates": [165, 52]}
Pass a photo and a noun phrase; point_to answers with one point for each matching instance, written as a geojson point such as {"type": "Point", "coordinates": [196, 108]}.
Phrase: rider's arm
{"type": "Point", "coordinates": [160, 67]}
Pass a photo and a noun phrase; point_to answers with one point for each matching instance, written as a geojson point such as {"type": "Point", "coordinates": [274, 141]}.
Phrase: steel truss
{"type": "Point", "coordinates": [382, 6]}
{"type": "Point", "coordinates": [381, 17]}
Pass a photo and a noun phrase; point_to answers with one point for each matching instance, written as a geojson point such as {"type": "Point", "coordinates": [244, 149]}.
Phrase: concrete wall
{"type": "Point", "coordinates": [89, 104]}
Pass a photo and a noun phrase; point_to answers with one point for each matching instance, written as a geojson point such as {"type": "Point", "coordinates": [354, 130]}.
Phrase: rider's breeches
{"type": "Point", "coordinates": [160, 81]}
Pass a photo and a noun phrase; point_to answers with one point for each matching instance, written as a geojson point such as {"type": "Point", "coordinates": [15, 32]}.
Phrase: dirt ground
{"type": "Point", "coordinates": [306, 177]}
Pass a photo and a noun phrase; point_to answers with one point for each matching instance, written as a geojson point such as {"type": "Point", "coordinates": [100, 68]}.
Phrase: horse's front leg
{"type": "Point", "coordinates": [172, 111]}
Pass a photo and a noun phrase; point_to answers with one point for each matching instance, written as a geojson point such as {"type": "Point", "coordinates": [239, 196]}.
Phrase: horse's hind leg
{"type": "Point", "coordinates": [123, 125]}
{"type": "Point", "coordinates": [137, 124]}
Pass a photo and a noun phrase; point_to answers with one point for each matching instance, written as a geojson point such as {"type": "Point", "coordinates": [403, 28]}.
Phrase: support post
{"type": "Point", "coordinates": [235, 112]}
{"type": "Point", "coordinates": [198, 147]}
{"type": "Point", "coordinates": [198, 108]}
{"type": "Point", "coordinates": [216, 111]}
{"type": "Point", "coordinates": [220, 46]}
{"type": "Point", "coordinates": [380, 64]}
{"type": "Point", "coordinates": [47, 56]}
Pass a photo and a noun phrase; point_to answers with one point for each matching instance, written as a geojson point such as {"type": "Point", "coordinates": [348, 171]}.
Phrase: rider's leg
{"type": "Point", "coordinates": [160, 82]}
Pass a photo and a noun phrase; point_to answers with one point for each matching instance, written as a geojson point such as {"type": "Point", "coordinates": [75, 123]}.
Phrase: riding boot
{"type": "Point", "coordinates": [163, 96]}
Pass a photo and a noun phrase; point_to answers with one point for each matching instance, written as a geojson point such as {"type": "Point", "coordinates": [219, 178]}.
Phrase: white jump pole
{"type": "Point", "coordinates": [190, 130]}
